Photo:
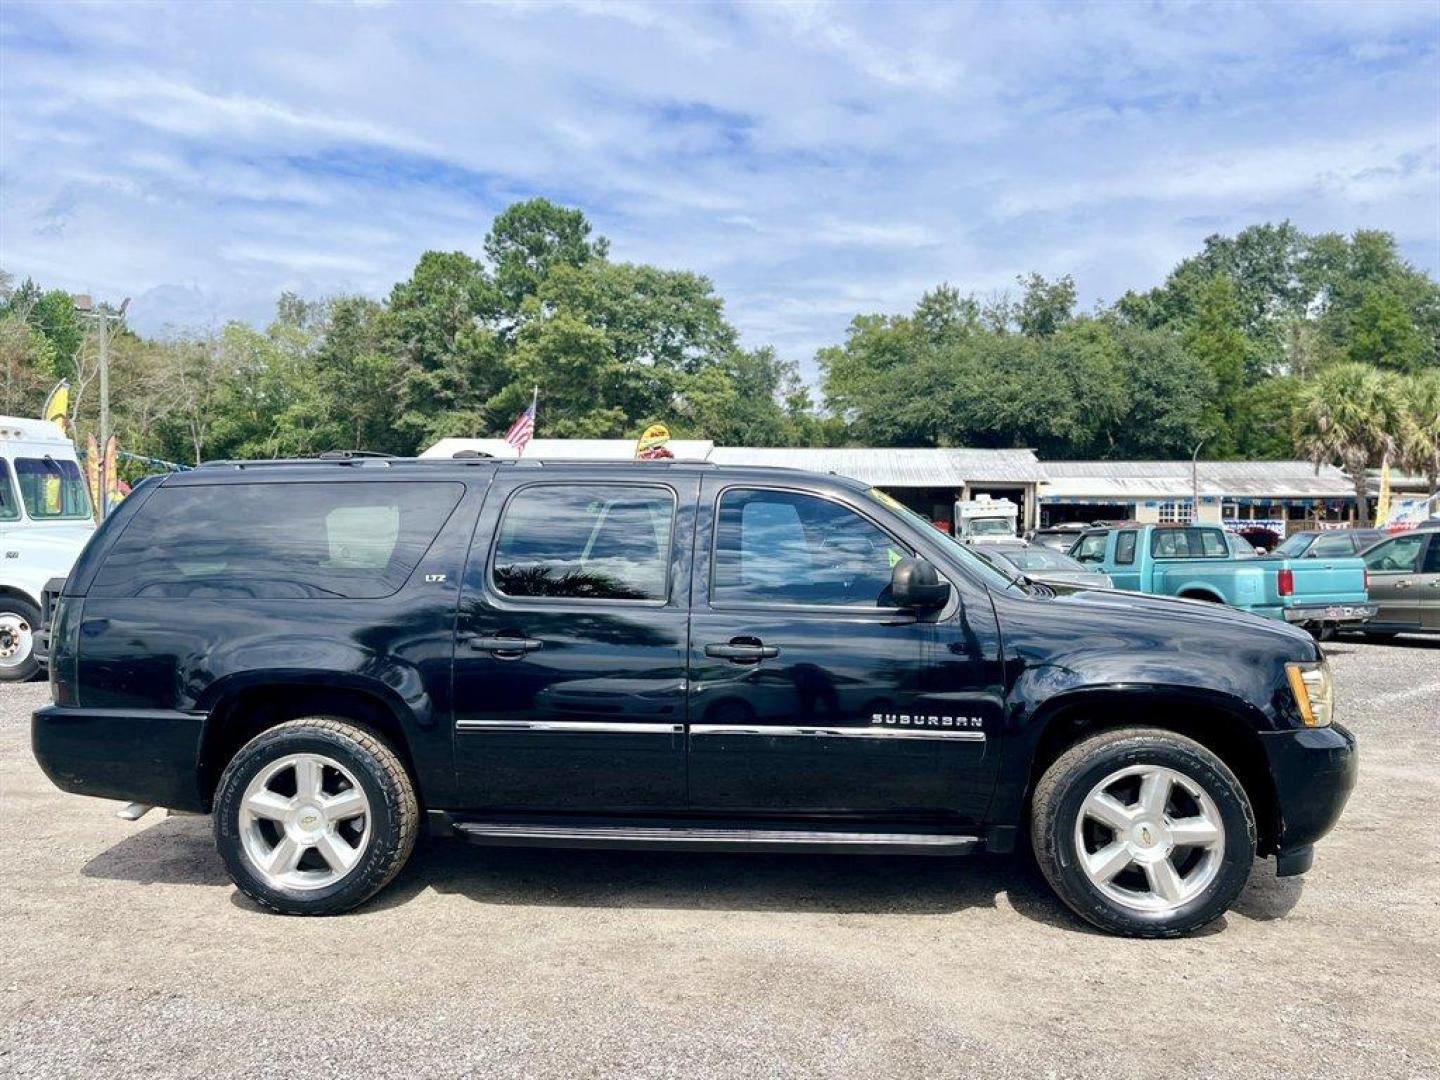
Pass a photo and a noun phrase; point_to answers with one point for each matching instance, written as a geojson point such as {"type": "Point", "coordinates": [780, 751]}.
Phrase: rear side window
{"type": "Point", "coordinates": [597, 542]}
{"type": "Point", "coordinates": [1125, 547]}
{"type": "Point", "coordinates": [1326, 547]}
{"type": "Point", "coordinates": [1432, 557]}
{"type": "Point", "coordinates": [354, 540]}
{"type": "Point", "coordinates": [1188, 544]}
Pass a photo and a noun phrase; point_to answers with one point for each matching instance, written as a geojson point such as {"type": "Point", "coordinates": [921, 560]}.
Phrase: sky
{"type": "Point", "coordinates": [816, 161]}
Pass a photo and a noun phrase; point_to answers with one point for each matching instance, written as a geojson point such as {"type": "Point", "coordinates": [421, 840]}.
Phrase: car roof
{"type": "Point", "coordinates": [375, 467]}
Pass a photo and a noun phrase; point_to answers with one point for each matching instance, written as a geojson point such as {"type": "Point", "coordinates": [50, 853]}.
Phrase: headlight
{"type": "Point", "coordinates": [1314, 692]}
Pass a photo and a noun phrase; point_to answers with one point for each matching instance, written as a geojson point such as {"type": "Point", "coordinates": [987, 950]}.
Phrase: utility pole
{"type": "Point", "coordinates": [1195, 482]}
{"type": "Point", "coordinates": [87, 310]}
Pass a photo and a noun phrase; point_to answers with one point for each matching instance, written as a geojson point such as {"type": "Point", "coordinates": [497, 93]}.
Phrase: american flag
{"type": "Point", "coordinates": [523, 429]}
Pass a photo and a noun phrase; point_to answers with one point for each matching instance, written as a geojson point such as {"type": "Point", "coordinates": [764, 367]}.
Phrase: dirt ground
{"type": "Point", "coordinates": [124, 951]}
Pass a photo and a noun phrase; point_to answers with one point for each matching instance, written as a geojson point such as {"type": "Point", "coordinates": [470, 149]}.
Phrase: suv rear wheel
{"type": "Point", "coordinates": [315, 816]}
{"type": "Point", "coordinates": [1143, 832]}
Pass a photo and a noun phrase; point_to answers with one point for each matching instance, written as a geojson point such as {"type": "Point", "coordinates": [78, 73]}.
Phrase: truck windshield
{"type": "Point", "coordinates": [976, 565]}
{"type": "Point", "coordinates": [53, 490]}
{"type": "Point", "coordinates": [992, 527]}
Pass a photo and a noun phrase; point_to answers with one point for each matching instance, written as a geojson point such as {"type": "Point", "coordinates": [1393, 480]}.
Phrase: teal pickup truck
{"type": "Point", "coordinates": [1200, 562]}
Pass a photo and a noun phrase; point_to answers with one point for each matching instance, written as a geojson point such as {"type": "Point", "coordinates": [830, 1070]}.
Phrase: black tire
{"type": "Point", "coordinates": [1055, 808]}
{"type": "Point", "coordinates": [27, 613]}
{"type": "Point", "coordinates": [394, 812]}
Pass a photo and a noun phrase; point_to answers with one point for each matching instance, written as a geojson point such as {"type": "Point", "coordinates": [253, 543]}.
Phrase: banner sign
{"type": "Point", "coordinates": [1234, 525]}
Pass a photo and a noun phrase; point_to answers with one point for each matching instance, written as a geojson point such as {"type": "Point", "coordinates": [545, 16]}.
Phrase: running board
{"type": "Point", "coordinates": [701, 838]}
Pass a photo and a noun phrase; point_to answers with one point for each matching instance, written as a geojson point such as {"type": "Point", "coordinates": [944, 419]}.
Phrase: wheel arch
{"type": "Point", "coordinates": [1200, 592]}
{"type": "Point", "coordinates": [9, 591]}
{"type": "Point", "coordinates": [1224, 726]}
{"type": "Point", "coordinates": [238, 709]}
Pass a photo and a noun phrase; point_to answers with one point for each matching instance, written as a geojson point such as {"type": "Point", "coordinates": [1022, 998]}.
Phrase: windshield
{"type": "Point", "coordinates": [991, 527]}
{"type": "Point", "coordinates": [972, 562]}
{"type": "Point", "coordinates": [1294, 547]}
{"type": "Point", "coordinates": [53, 490]}
{"type": "Point", "coordinates": [1042, 559]}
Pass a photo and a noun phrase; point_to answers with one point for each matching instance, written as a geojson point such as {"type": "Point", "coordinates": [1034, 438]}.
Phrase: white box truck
{"type": "Point", "coordinates": [986, 521]}
{"type": "Point", "coordinates": [45, 521]}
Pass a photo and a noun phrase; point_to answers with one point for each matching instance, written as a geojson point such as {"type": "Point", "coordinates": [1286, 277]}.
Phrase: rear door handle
{"type": "Point", "coordinates": [731, 651]}
{"type": "Point", "coordinates": [514, 646]}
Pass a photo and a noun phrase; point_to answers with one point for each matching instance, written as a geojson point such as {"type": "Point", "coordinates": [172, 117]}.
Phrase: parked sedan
{"type": "Point", "coordinates": [1405, 584]}
{"type": "Point", "coordinates": [1047, 566]}
{"type": "Point", "coordinates": [1328, 543]}
{"type": "Point", "coordinates": [1058, 537]}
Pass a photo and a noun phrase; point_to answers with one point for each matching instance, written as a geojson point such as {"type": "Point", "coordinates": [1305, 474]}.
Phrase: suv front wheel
{"type": "Point", "coordinates": [315, 816]}
{"type": "Point", "coordinates": [1143, 832]}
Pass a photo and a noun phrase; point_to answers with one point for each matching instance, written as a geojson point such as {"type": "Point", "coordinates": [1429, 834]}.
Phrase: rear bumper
{"type": "Point", "coordinates": [1314, 772]}
{"type": "Point", "coordinates": [1331, 613]}
{"type": "Point", "coordinates": [138, 755]}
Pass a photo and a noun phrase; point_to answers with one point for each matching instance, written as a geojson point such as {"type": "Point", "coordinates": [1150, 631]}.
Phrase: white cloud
{"type": "Point", "coordinates": [816, 160]}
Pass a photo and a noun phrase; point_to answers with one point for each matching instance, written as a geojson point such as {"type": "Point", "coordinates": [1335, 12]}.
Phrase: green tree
{"type": "Point", "coordinates": [1212, 334]}
{"type": "Point", "coordinates": [1045, 306]}
{"type": "Point", "coordinates": [1420, 428]}
{"type": "Point", "coordinates": [357, 379]}
{"type": "Point", "coordinates": [1383, 332]}
{"type": "Point", "coordinates": [1350, 414]}
{"type": "Point", "coordinates": [53, 314]}
{"type": "Point", "coordinates": [531, 239]}
{"type": "Point", "coordinates": [451, 360]}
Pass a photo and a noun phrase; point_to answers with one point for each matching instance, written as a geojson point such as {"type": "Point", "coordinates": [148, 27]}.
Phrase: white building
{"type": "Point", "coordinates": [1282, 494]}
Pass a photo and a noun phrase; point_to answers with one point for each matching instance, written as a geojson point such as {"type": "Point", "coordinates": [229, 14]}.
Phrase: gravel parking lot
{"type": "Point", "coordinates": [127, 952]}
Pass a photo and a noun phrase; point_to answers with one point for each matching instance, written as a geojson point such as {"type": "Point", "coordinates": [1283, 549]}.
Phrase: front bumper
{"type": "Point", "coordinates": [1314, 770]}
{"type": "Point", "coordinates": [1331, 613]}
{"type": "Point", "coordinates": [139, 755]}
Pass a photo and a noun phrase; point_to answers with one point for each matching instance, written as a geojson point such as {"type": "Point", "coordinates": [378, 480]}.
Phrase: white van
{"type": "Point", "coordinates": [45, 520]}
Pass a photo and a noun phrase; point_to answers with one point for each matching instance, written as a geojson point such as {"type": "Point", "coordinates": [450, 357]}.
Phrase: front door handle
{"type": "Point", "coordinates": [1402, 584]}
{"type": "Point", "coordinates": [742, 652]}
{"type": "Point", "coordinates": [505, 646]}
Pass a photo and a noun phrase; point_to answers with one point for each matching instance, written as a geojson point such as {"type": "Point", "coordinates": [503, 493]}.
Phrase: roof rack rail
{"type": "Point", "coordinates": [346, 455]}
{"type": "Point", "coordinates": [242, 463]}
{"type": "Point", "coordinates": [540, 463]}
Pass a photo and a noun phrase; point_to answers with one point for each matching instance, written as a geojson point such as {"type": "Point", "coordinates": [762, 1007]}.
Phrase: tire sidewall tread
{"type": "Point", "coordinates": [387, 784]}
{"type": "Point", "coordinates": [1069, 780]}
{"type": "Point", "coordinates": [15, 605]}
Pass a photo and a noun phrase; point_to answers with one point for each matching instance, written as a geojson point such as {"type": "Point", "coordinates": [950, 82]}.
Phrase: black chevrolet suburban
{"type": "Point", "coordinates": [328, 655]}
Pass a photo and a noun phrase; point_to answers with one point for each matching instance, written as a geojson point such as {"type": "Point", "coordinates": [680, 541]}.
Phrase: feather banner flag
{"type": "Point", "coordinates": [57, 405]}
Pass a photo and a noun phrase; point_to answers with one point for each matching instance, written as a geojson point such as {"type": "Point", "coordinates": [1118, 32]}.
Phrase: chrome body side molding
{"type": "Point", "coordinates": [594, 726]}
{"type": "Point", "coordinates": [837, 732]}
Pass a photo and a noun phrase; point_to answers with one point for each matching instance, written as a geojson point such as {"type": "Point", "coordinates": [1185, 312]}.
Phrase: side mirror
{"type": "Point", "coordinates": [916, 584]}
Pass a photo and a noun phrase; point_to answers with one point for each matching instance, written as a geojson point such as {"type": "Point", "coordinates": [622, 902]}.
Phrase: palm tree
{"type": "Point", "coordinates": [1420, 436]}
{"type": "Point", "coordinates": [1351, 413]}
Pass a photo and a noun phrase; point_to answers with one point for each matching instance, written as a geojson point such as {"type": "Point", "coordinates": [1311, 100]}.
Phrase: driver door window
{"type": "Point", "coordinates": [1091, 548]}
{"type": "Point", "coordinates": [780, 547]}
{"type": "Point", "coordinates": [1398, 556]}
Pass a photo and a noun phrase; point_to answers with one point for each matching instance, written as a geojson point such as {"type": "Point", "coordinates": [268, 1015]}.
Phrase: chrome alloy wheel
{"type": "Point", "coordinates": [17, 639]}
{"type": "Point", "coordinates": [304, 822]}
{"type": "Point", "coordinates": [1150, 838]}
